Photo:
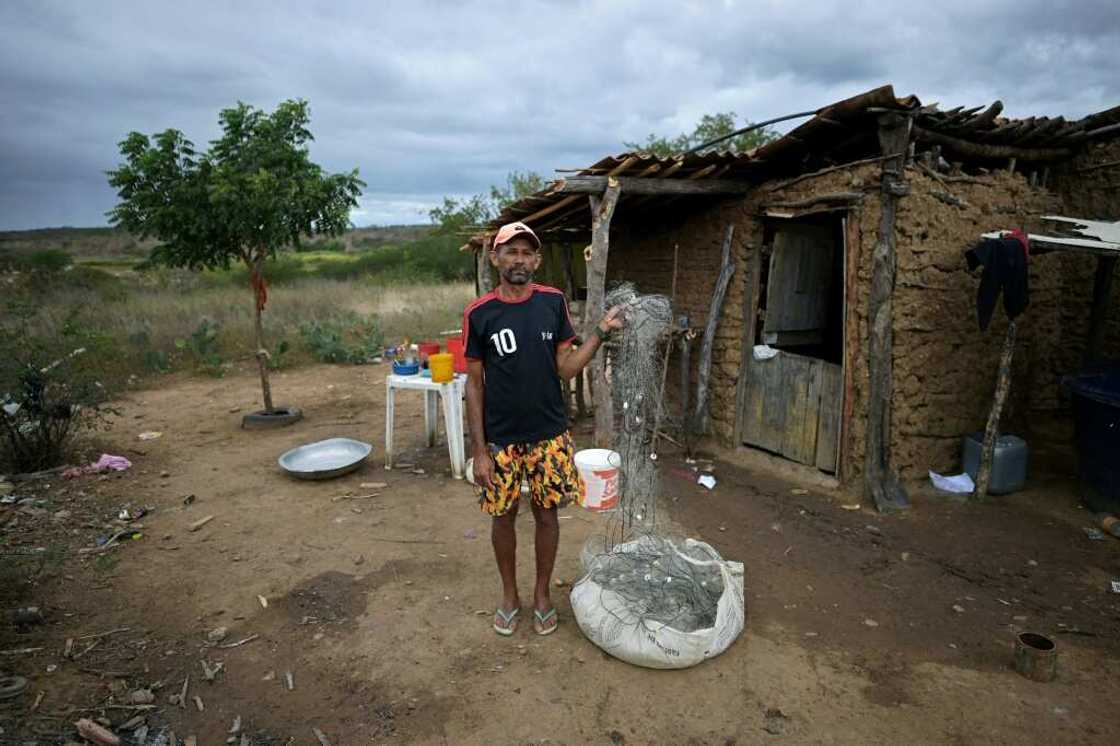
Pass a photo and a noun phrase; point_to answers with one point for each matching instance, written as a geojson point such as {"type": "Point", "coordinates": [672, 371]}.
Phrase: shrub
{"type": "Point", "coordinates": [202, 346]}
{"type": "Point", "coordinates": [278, 358]}
{"type": "Point", "coordinates": [49, 260]}
{"type": "Point", "coordinates": [155, 361]}
{"type": "Point", "coordinates": [10, 261]}
{"type": "Point", "coordinates": [347, 338]}
{"type": "Point", "coordinates": [333, 244]}
{"type": "Point", "coordinates": [49, 391]}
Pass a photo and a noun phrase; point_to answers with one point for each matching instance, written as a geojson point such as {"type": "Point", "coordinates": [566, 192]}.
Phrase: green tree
{"type": "Point", "coordinates": [465, 216]}
{"type": "Point", "coordinates": [518, 184]}
{"type": "Point", "coordinates": [460, 216]}
{"type": "Point", "coordinates": [254, 191]}
{"type": "Point", "coordinates": [710, 127]}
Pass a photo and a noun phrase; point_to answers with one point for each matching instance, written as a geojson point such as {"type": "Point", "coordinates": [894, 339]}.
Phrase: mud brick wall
{"type": "Point", "coordinates": [944, 366]}
{"type": "Point", "coordinates": [1088, 187]}
{"type": "Point", "coordinates": [641, 251]}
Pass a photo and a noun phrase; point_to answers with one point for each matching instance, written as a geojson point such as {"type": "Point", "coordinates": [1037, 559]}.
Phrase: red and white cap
{"type": "Point", "coordinates": [510, 231]}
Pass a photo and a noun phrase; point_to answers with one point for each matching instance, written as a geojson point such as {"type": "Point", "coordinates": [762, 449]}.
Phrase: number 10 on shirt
{"type": "Point", "coordinates": [504, 342]}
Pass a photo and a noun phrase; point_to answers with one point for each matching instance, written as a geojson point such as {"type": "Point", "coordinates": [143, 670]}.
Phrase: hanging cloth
{"type": "Point", "coordinates": [1005, 271]}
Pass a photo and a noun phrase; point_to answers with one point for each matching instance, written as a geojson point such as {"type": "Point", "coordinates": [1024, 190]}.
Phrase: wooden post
{"type": "Point", "coordinates": [581, 405]}
{"type": "Point", "coordinates": [686, 386]}
{"type": "Point", "coordinates": [753, 287]}
{"type": "Point", "coordinates": [668, 354]}
{"type": "Point", "coordinates": [991, 432]}
{"type": "Point", "coordinates": [853, 247]}
{"type": "Point", "coordinates": [602, 210]}
{"type": "Point", "coordinates": [727, 268]}
{"type": "Point", "coordinates": [569, 273]}
{"type": "Point", "coordinates": [576, 384]}
{"type": "Point", "coordinates": [1102, 294]}
{"type": "Point", "coordinates": [484, 279]}
{"type": "Point", "coordinates": [880, 481]}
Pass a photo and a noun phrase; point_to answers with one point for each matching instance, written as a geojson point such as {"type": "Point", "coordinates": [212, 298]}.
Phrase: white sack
{"type": "Point", "coordinates": [604, 618]}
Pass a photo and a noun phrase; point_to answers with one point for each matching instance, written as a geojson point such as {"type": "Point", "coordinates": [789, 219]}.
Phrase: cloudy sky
{"type": "Point", "coordinates": [444, 98]}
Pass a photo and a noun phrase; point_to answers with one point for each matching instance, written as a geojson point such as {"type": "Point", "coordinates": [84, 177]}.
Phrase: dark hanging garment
{"type": "Point", "coordinates": [1005, 271]}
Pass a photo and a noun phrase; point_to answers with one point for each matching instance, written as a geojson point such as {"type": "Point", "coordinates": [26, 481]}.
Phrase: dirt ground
{"type": "Point", "coordinates": [861, 628]}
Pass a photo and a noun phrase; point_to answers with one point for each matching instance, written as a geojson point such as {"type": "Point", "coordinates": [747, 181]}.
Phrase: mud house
{"type": "Point", "coordinates": [861, 213]}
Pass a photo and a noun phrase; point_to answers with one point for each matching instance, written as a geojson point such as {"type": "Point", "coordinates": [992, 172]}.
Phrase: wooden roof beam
{"type": "Point", "coordinates": [987, 150]}
{"type": "Point", "coordinates": [633, 185]}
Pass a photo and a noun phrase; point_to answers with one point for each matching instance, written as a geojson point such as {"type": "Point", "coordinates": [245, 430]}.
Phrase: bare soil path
{"type": "Point", "coordinates": [380, 608]}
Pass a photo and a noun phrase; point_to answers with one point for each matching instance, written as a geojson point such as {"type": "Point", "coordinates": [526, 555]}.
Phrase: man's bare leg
{"type": "Point", "coordinates": [503, 535]}
{"type": "Point", "coordinates": [546, 541]}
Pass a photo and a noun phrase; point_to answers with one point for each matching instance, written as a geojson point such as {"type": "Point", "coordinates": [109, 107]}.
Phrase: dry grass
{"type": "Point", "coordinates": [134, 326]}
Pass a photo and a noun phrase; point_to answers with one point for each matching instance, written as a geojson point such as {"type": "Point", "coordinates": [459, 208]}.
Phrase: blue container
{"type": "Point", "coordinates": [1096, 407]}
{"type": "Point", "coordinates": [1009, 462]}
{"type": "Point", "coordinates": [405, 370]}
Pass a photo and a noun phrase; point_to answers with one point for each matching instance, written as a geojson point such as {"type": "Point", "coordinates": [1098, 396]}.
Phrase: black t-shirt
{"type": "Point", "coordinates": [517, 343]}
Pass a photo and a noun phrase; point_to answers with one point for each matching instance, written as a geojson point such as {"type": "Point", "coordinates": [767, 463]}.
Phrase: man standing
{"type": "Point", "coordinates": [518, 342]}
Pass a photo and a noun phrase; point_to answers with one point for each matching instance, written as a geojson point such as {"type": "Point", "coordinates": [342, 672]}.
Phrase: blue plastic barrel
{"type": "Point", "coordinates": [1096, 406]}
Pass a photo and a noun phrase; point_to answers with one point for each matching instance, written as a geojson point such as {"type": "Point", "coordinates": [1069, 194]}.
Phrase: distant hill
{"type": "Point", "coordinates": [78, 242]}
{"type": "Point", "coordinates": [112, 242]}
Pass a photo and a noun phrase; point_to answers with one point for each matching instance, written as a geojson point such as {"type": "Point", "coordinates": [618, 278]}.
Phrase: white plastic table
{"type": "Point", "coordinates": [452, 395]}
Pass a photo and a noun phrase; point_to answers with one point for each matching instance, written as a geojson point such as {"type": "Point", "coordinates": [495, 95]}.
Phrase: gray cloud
{"type": "Point", "coordinates": [435, 98]}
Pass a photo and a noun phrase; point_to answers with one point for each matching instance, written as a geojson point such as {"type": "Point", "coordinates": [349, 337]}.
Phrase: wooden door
{"type": "Point", "coordinates": [799, 284]}
{"type": "Point", "coordinates": [792, 402]}
{"type": "Point", "coordinates": [791, 407]}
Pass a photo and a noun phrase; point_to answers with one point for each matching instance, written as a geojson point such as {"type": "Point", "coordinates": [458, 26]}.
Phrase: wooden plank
{"type": "Point", "coordinates": [772, 409]}
{"type": "Point", "coordinates": [797, 290]}
{"type": "Point", "coordinates": [768, 414]}
{"type": "Point", "coordinates": [750, 408]}
{"type": "Point", "coordinates": [828, 420]}
{"type": "Point", "coordinates": [809, 426]}
{"type": "Point", "coordinates": [797, 374]}
{"type": "Point", "coordinates": [829, 197]}
{"type": "Point", "coordinates": [634, 185]}
{"type": "Point", "coordinates": [752, 287]}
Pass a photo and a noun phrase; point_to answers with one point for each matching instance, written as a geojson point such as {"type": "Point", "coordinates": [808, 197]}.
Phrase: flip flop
{"type": "Point", "coordinates": [540, 620]}
{"type": "Point", "coordinates": [508, 621]}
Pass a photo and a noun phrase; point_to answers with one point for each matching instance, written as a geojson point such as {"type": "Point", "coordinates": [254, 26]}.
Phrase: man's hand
{"type": "Point", "coordinates": [615, 319]}
{"type": "Point", "coordinates": [570, 361]}
{"type": "Point", "coordinates": [483, 470]}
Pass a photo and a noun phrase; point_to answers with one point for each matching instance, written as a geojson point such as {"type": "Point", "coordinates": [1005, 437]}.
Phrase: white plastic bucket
{"type": "Point", "coordinates": [598, 469]}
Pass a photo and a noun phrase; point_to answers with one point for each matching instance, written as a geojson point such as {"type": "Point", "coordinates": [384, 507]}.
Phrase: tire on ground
{"type": "Point", "coordinates": [278, 417]}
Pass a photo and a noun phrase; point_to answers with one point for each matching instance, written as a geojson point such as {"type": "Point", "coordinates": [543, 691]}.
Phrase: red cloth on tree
{"type": "Point", "coordinates": [260, 287]}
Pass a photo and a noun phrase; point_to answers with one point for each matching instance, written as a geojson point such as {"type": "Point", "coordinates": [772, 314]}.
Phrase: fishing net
{"type": "Point", "coordinates": [646, 597]}
{"type": "Point", "coordinates": [636, 397]}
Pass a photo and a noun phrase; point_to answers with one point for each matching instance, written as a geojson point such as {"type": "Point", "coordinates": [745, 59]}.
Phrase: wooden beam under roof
{"type": "Point", "coordinates": [648, 171]}
{"type": "Point", "coordinates": [596, 184]}
{"type": "Point", "coordinates": [988, 150]}
{"type": "Point", "coordinates": [573, 198]}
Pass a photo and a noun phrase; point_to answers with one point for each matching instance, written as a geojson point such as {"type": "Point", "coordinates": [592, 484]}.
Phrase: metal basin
{"type": "Point", "coordinates": [325, 459]}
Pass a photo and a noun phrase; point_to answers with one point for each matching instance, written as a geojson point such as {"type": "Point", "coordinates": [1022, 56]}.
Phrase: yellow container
{"type": "Point", "coordinates": [442, 365]}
